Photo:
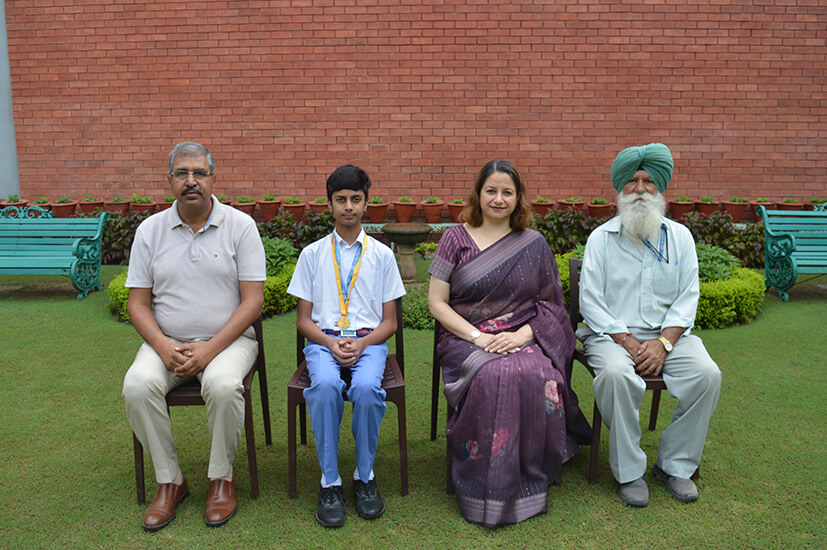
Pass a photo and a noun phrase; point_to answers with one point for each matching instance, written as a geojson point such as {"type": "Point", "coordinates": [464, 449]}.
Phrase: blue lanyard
{"type": "Point", "coordinates": [663, 243]}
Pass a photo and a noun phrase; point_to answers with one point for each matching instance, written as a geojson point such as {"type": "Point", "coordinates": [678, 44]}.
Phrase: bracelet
{"type": "Point", "coordinates": [624, 338]}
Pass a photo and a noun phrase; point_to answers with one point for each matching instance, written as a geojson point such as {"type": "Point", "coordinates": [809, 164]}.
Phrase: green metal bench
{"type": "Point", "coordinates": [34, 243]}
{"type": "Point", "coordinates": [795, 241]}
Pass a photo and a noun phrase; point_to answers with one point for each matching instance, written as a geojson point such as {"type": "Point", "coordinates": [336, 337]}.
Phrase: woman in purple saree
{"type": "Point", "coordinates": [505, 351]}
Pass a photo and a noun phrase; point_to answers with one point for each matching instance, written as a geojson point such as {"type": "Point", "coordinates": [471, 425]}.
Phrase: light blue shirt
{"type": "Point", "coordinates": [378, 281]}
{"type": "Point", "coordinates": [624, 287]}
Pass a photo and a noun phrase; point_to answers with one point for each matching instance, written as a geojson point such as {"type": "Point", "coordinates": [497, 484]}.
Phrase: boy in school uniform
{"type": "Point", "coordinates": [346, 284]}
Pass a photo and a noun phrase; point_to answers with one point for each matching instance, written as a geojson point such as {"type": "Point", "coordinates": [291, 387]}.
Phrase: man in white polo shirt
{"type": "Point", "coordinates": [196, 282]}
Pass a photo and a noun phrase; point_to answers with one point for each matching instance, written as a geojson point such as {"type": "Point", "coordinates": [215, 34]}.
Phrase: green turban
{"type": "Point", "coordinates": [655, 158]}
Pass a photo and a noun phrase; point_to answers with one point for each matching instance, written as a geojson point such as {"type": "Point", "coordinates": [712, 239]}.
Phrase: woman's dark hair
{"type": "Point", "coordinates": [522, 216]}
{"type": "Point", "coordinates": [348, 177]}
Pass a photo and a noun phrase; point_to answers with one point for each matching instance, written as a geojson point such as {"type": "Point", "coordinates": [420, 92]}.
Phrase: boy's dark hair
{"type": "Point", "coordinates": [348, 177]}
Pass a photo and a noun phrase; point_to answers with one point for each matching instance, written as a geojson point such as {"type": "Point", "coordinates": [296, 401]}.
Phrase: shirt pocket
{"type": "Point", "coordinates": [665, 280]}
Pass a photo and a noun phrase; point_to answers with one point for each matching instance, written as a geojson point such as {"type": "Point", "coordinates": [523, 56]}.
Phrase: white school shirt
{"type": "Point", "coordinates": [623, 286]}
{"type": "Point", "coordinates": [378, 281]}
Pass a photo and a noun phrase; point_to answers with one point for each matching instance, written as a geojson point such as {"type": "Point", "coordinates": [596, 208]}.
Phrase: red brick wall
{"type": "Point", "coordinates": [419, 93]}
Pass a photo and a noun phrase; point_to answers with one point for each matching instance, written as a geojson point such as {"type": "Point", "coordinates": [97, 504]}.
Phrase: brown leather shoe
{"type": "Point", "coordinates": [221, 504]}
{"type": "Point", "coordinates": [162, 508]}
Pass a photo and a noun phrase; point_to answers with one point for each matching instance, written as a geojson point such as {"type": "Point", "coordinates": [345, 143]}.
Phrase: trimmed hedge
{"type": "Point", "coordinates": [118, 296]}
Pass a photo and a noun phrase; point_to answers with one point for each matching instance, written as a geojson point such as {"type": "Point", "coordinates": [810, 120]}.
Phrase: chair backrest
{"type": "Point", "coordinates": [575, 264]}
{"type": "Point", "coordinates": [398, 339]}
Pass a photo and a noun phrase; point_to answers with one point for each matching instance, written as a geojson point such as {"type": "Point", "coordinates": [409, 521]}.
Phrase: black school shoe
{"type": "Point", "coordinates": [331, 510]}
{"type": "Point", "coordinates": [369, 503]}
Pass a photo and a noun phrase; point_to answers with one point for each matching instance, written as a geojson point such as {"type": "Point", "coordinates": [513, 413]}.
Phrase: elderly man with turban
{"type": "Point", "coordinates": [638, 296]}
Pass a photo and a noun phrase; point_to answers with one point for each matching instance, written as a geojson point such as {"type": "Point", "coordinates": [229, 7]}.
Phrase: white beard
{"type": "Point", "coordinates": [641, 218]}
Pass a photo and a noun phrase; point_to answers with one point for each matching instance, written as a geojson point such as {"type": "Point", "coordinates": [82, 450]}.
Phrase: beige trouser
{"type": "Point", "coordinates": [690, 375]}
{"type": "Point", "coordinates": [144, 390]}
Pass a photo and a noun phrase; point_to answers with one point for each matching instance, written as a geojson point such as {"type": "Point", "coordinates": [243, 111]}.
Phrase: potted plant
{"type": "Point", "coordinates": [571, 203]}
{"type": "Point", "coordinates": [455, 208]}
{"type": "Point", "coordinates": [43, 203]}
{"type": "Point", "coordinates": [706, 205]}
{"type": "Point", "coordinates": [295, 207]}
{"type": "Point", "coordinates": [63, 207]}
{"type": "Point", "coordinates": [245, 204]}
{"type": "Point", "coordinates": [117, 205]}
{"type": "Point", "coordinates": [14, 200]}
{"type": "Point", "coordinates": [681, 206]}
{"type": "Point", "coordinates": [735, 207]}
{"type": "Point", "coordinates": [760, 201]}
{"type": "Point", "coordinates": [90, 203]}
{"type": "Point", "coordinates": [599, 207]}
{"type": "Point", "coordinates": [432, 209]}
{"type": "Point", "coordinates": [142, 204]}
{"type": "Point", "coordinates": [404, 207]}
{"type": "Point", "coordinates": [165, 203]}
{"type": "Point", "coordinates": [269, 205]}
{"type": "Point", "coordinates": [815, 201]}
{"type": "Point", "coordinates": [541, 205]}
{"type": "Point", "coordinates": [789, 204]}
{"type": "Point", "coordinates": [377, 207]}
{"type": "Point", "coordinates": [318, 205]}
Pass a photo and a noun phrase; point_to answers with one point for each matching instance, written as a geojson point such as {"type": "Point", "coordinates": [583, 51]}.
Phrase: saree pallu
{"type": "Point", "coordinates": [518, 420]}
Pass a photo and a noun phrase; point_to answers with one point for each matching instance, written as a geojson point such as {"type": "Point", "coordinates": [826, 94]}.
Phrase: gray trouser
{"type": "Point", "coordinates": [145, 387]}
{"type": "Point", "coordinates": [690, 375]}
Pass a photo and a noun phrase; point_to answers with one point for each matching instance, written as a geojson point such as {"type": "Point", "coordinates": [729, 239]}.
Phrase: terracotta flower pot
{"type": "Point", "coordinates": [404, 211]}
{"type": "Point", "coordinates": [87, 207]}
{"type": "Point", "coordinates": [455, 210]}
{"type": "Point", "coordinates": [598, 211]}
{"type": "Point", "coordinates": [432, 211]}
{"type": "Point", "coordinates": [295, 210]}
{"type": "Point", "coordinates": [120, 207]}
{"type": "Point", "coordinates": [318, 207]}
{"type": "Point", "coordinates": [161, 206]}
{"type": "Point", "coordinates": [376, 212]}
{"type": "Point", "coordinates": [246, 207]}
{"type": "Point", "coordinates": [269, 209]}
{"type": "Point", "coordinates": [680, 209]}
{"type": "Point", "coordinates": [735, 209]}
{"type": "Point", "coordinates": [18, 204]}
{"type": "Point", "coordinates": [571, 205]}
{"type": "Point", "coordinates": [63, 210]}
{"type": "Point", "coordinates": [542, 208]}
{"type": "Point", "coordinates": [706, 208]}
{"type": "Point", "coordinates": [48, 207]}
{"type": "Point", "coordinates": [754, 205]}
{"type": "Point", "coordinates": [149, 208]}
{"type": "Point", "coordinates": [810, 205]}
{"type": "Point", "coordinates": [789, 206]}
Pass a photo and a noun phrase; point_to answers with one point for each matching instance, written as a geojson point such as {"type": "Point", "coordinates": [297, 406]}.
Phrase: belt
{"type": "Point", "coordinates": [349, 333]}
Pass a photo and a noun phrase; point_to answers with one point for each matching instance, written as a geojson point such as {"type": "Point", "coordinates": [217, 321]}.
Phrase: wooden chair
{"type": "Point", "coordinates": [189, 394]}
{"type": "Point", "coordinates": [393, 383]}
{"type": "Point", "coordinates": [654, 383]}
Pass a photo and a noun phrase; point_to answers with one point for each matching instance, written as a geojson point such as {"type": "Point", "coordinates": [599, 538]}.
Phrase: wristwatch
{"type": "Point", "coordinates": [474, 335]}
{"type": "Point", "coordinates": [667, 345]}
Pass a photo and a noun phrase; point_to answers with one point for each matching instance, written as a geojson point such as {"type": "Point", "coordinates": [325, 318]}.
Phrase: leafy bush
{"type": "Point", "coordinates": [118, 296]}
{"type": "Point", "coordinates": [311, 227]}
{"type": "Point", "coordinates": [714, 263]}
{"type": "Point", "coordinates": [118, 234]}
{"type": "Point", "coordinates": [276, 299]}
{"type": "Point", "coordinates": [565, 229]}
{"type": "Point", "coordinates": [744, 241]}
{"type": "Point", "coordinates": [733, 301]}
{"type": "Point", "coordinates": [277, 252]}
{"type": "Point", "coordinates": [415, 312]}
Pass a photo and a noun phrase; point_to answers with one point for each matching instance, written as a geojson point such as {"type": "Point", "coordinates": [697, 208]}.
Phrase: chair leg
{"type": "Point", "coordinates": [303, 421]}
{"type": "Point", "coordinates": [449, 474]}
{"type": "Point", "coordinates": [597, 423]}
{"type": "Point", "coordinates": [291, 444]}
{"type": "Point", "coordinates": [265, 405]}
{"type": "Point", "coordinates": [249, 432]}
{"type": "Point", "coordinates": [138, 451]}
{"type": "Point", "coordinates": [403, 443]}
{"type": "Point", "coordinates": [434, 398]}
{"type": "Point", "coordinates": [653, 414]}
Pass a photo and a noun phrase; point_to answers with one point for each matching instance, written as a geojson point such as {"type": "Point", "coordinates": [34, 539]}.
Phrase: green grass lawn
{"type": "Point", "coordinates": [67, 479]}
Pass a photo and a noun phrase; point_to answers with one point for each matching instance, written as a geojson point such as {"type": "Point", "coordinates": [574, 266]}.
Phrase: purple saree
{"type": "Point", "coordinates": [517, 421]}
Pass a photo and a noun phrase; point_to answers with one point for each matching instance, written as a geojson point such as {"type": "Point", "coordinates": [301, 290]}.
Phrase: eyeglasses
{"type": "Point", "coordinates": [183, 175]}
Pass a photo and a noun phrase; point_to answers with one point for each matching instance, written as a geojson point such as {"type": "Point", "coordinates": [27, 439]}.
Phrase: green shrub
{"type": "Point", "coordinates": [714, 263]}
{"type": "Point", "coordinates": [425, 249]}
{"type": "Point", "coordinates": [744, 241]}
{"type": "Point", "coordinates": [732, 301]}
{"type": "Point", "coordinates": [565, 229]}
{"type": "Point", "coordinates": [310, 228]}
{"type": "Point", "coordinates": [563, 267]}
{"type": "Point", "coordinates": [118, 296]}
{"type": "Point", "coordinates": [415, 312]}
{"type": "Point", "coordinates": [276, 299]}
{"type": "Point", "coordinates": [277, 253]}
{"type": "Point", "coordinates": [118, 234]}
